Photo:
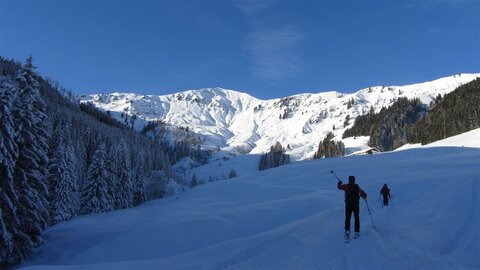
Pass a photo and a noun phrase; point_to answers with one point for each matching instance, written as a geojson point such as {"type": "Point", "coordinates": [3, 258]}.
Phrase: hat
{"type": "Point", "coordinates": [351, 179]}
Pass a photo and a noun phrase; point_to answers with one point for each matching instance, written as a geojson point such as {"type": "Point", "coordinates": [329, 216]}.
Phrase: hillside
{"type": "Point", "coordinates": [60, 159]}
{"type": "Point", "coordinates": [411, 121]}
{"type": "Point", "coordinates": [237, 122]}
{"type": "Point", "coordinates": [291, 217]}
{"type": "Point", "coordinates": [456, 113]}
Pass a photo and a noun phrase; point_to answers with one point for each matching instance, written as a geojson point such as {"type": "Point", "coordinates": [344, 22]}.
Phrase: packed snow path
{"type": "Point", "coordinates": [292, 218]}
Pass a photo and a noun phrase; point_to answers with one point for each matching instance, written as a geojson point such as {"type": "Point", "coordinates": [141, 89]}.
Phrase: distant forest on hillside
{"type": "Point", "coordinates": [409, 121]}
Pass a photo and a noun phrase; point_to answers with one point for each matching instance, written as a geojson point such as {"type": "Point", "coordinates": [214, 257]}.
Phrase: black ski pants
{"type": "Point", "coordinates": [355, 209]}
{"type": "Point", "coordinates": [385, 200]}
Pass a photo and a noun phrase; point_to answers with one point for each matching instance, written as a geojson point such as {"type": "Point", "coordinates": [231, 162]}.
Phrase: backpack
{"type": "Point", "coordinates": [352, 194]}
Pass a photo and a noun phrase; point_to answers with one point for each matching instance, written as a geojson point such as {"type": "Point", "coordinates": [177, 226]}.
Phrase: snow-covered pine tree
{"type": "Point", "coordinates": [111, 168]}
{"type": "Point", "coordinates": [138, 180]}
{"type": "Point", "coordinates": [8, 156]}
{"type": "Point", "coordinates": [80, 155]}
{"type": "Point", "coordinates": [193, 181]}
{"type": "Point", "coordinates": [5, 240]}
{"type": "Point", "coordinates": [232, 174]}
{"type": "Point", "coordinates": [56, 139]}
{"type": "Point", "coordinates": [90, 142]}
{"type": "Point", "coordinates": [74, 197]}
{"type": "Point", "coordinates": [30, 169]}
{"type": "Point", "coordinates": [96, 197]}
{"type": "Point", "coordinates": [122, 165]}
{"type": "Point", "coordinates": [329, 148]}
{"type": "Point", "coordinates": [276, 157]}
{"type": "Point", "coordinates": [166, 165]}
{"type": "Point", "coordinates": [62, 178]}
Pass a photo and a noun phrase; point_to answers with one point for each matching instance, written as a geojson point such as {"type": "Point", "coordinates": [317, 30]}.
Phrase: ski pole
{"type": "Point", "coordinates": [373, 224]}
{"type": "Point", "coordinates": [333, 173]}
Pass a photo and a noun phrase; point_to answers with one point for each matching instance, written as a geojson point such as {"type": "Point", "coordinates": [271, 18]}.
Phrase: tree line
{"type": "Point", "coordinates": [455, 113]}
{"type": "Point", "coordinates": [274, 158]}
{"type": "Point", "coordinates": [329, 148]}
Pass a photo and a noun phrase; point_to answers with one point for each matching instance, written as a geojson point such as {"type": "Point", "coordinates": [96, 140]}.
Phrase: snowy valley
{"type": "Point", "coordinates": [239, 134]}
{"type": "Point", "coordinates": [291, 217]}
{"type": "Point", "coordinates": [81, 190]}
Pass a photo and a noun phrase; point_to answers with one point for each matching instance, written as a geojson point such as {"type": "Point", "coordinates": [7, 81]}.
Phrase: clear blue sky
{"type": "Point", "coordinates": [268, 49]}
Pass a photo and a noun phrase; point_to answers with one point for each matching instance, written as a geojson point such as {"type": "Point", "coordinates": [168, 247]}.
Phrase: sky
{"type": "Point", "coordinates": [268, 49]}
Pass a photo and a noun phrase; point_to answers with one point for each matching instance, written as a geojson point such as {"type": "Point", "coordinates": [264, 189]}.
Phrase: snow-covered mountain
{"type": "Point", "coordinates": [235, 121]}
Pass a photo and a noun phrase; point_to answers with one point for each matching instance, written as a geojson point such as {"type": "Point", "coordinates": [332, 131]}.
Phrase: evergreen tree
{"type": "Point", "coordinates": [329, 148]}
{"type": "Point", "coordinates": [30, 169]}
{"type": "Point", "coordinates": [350, 103]}
{"type": "Point", "coordinates": [5, 239]}
{"type": "Point", "coordinates": [138, 181]}
{"type": "Point", "coordinates": [96, 197]}
{"type": "Point", "coordinates": [62, 177]}
{"type": "Point", "coordinates": [347, 121]}
{"type": "Point", "coordinates": [63, 172]}
{"type": "Point", "coordinates": [112, 178]}
{"type": "Point", "coordinates": [232, 174]}
{"type": "Point", "coordinates": [8, 155]}
{"type": "Point", "coordinates": [122, 166]}
{"type": "Point", "coordinates": [193, 181]}
{"type": "Point", "coordinates": [276, 157]}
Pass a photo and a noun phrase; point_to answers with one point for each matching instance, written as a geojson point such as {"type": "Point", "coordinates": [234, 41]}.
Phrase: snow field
{"type": "Point", "coordinates": [292, 218]}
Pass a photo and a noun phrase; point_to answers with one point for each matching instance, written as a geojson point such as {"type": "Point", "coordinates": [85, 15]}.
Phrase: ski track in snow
{"type": "Point", "coordinates": [292, 217]}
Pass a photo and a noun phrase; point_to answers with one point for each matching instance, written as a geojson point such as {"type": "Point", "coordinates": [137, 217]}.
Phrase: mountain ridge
{"type": "Point", "coordinates": [235, 121]}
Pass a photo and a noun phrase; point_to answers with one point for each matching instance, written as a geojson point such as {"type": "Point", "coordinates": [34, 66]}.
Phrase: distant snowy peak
{"type": "Point", "coordinates": [425, 91]}
{"type": "Point", "coordinates": [238, 122]}
{"type": "Point", "coordinates": [152, 107]}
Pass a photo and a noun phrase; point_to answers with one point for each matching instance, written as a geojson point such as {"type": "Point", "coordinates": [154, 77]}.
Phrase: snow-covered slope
{"type": "Point", "coordinates": [467, 139]}
{"type": "Point", "coordinates": [238, 122]}
{"type": "Point", "coordinates": [247, 165]}
{"type": "Point", "coordinates": [292, 217]}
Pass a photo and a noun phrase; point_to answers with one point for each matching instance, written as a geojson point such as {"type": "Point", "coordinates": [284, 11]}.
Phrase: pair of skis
{"type": "Point", "coordinates": [347, 237]}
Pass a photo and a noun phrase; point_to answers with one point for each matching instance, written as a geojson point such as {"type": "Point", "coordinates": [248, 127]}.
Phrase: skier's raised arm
{"type": "Point", "coordinates": [341, 186]}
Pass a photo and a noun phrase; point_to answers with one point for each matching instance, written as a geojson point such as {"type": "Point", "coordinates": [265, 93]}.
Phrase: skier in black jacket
{"type": "Point", "coordinates": [385, 191]}
{"type": "Point", "coordinates": [352, 204]}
